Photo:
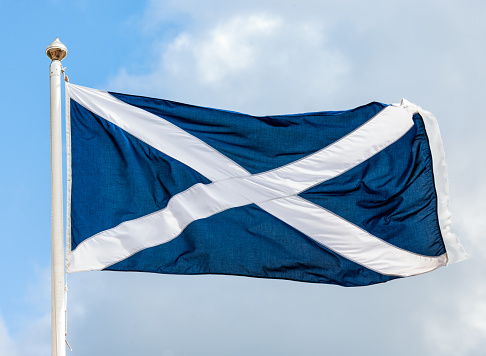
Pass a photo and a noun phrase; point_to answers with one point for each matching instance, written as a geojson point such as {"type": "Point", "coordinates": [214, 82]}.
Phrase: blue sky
{"type": "Point", "coordinates": [258, 57]}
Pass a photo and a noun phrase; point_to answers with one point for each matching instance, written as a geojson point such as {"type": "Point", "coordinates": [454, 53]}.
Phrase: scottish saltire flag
{"type": "Point", "coordinates": [351, 197]}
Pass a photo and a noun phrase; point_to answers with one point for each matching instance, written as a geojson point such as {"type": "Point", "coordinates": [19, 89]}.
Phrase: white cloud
{"type": "Point", "coordinates": [471, 219]}
{"type": "Point", "coordinates": [32, 335]}
{"type": "Point", "coordinates": [230, 48]}
{"type": "Point", "coordinates": [7, 344]}
{"type": "Point", "coordinates": [257, 62]}
{"type": "Point", "coordinates": [461, 327]}
{"type": "Point", "coordinates": [35, 338]}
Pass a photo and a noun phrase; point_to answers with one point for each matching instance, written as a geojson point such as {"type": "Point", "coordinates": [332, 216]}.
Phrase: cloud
{"type": "Point", "coordinates": [229, 49]}
{"type": "Point", "coordinates": [257, 62]}
{"type": "Point", "coordinates": [470, 217]}
{"type": "Point", "coordinates": [7, 344]}
{"type": "Point", "coordinates": [35, 338]}
{"type": "Point", "coordinates": [458, 328]}
{"type": "Point", "coordinates": [218, 315]}
{"type": "Point", "coordinates": [279, 57]}
{"type": "Point", "coordinates": [32, 335]}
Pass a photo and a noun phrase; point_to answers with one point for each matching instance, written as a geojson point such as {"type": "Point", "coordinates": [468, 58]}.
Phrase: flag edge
{"type": "Point", "coordinates": [455, 250]}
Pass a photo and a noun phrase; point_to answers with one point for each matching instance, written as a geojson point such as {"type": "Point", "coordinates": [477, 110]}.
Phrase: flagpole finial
{"type": "Point", "coordinates": [56, 51]}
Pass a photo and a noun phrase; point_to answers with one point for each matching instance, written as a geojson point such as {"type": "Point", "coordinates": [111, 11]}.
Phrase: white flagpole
{"type": "Point", "coordinates": [56, 51]}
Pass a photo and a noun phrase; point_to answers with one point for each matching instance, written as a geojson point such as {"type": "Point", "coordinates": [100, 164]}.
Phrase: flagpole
{"type": "Point", "coordinates": [56, 51]}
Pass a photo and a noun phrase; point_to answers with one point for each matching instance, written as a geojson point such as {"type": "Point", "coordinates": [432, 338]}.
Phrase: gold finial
{"type": "Point", "coordinates": [56, 51]}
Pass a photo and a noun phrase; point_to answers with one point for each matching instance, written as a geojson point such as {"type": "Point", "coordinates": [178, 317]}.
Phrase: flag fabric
{"type": "Point", "coordinates": [352, 197]}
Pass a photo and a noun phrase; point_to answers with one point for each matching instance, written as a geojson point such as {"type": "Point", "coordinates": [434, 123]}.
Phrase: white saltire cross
{"type": "Point", "coordinates": [275, 191]}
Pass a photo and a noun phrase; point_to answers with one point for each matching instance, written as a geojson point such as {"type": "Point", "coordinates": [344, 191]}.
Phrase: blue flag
{"type": "Point", "coordinates": [351, 197]}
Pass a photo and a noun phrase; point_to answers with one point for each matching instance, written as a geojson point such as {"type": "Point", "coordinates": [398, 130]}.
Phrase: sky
{"type": "Point", "coordinates": [257, 57]}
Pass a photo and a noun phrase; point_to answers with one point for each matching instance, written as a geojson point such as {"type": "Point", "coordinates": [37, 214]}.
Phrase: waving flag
{"type": "Point", "coordinates": [345, 197]}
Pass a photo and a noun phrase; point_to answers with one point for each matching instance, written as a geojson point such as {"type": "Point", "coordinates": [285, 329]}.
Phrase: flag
{"type": "Point", "coordinates": [352, 197]}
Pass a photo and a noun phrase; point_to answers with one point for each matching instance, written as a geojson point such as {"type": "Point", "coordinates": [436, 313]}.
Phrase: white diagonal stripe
{"type": "Point", "coordinates": [240, 188]}
{"type": "Point", "coordinates": [157, 133]}
{"type": "Point", "coordinates": [341, 235]}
